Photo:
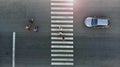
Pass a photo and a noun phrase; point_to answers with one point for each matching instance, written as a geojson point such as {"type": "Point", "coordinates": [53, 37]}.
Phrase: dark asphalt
{"type": "Point", "coordinates": [32, 49]}
{"type": "Point", "coordinates": [97, 51]}
{"type": "Point", "coordinates": [97, 47]}
{"type": "Point", "coordinates": [5, 49]}
{"type": "Point", "coordinates": [93, 47]}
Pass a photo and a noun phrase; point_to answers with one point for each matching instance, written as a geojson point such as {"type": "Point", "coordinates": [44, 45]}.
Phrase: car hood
{"type": "Point", "coordinates": [88, 21]}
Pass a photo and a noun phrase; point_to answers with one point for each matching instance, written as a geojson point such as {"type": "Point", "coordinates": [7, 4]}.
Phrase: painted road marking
{"type": "Point", "coordinates": [60, 38]}
{"type": "Point", "coordinates": [61, 46]}
{"type": "Point", "coordinates": [13, 50]}
{"type": "Point", "coordinates": [63, 4]}
{"type": "Point", "coordinates": [67, 34]}
{"type": "Point", "coordinates": [55, 50]}
{"type": "Point", "coordinates": [62, 63]}
{"type": "Point", "coordinates": [64, 13]}
{"type": "Point", "coordinates": [53, 29]}
{"type": "Point", "coordinates": [62, 50]}
{"type": "Point", "coordinates": [62, 55]}
{"type": "Point", "coordinates": [63, 0]}
{"type": "Point", "coordinates": [61, 42]}
{"type": "Point", "coordinates": [61, 17]}
{"type": "Point", "coordinates": [61, 8]}
{"type": "Point", "coordinates": [57, 25]}
{"type": "Point", "coordinates": [62, 59]}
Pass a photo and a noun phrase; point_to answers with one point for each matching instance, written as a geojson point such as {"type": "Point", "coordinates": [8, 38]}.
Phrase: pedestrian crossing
{"type": "Point", "coordinates": [62, 53]}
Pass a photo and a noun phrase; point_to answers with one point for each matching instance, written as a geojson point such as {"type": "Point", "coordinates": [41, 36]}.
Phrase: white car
{"type": "Point", "coordinates": [97, 22]}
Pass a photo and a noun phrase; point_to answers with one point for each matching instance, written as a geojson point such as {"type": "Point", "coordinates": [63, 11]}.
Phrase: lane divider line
{"type": "Point", "coordinates": [13, 50]}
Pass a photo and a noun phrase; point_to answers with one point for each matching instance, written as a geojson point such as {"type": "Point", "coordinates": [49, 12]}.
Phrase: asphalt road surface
{"type": "Point", "coordinates": [97, 47]}
{"type": "Point", "coordinates": [32, 49]}
{"type": "Point", "coordinates": [92, 47]}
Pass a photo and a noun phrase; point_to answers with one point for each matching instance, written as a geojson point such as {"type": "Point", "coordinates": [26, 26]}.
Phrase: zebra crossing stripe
{"type": "Point", "coordinates": [69, 34]}
{"type": "Point", "coordinates": [63, 0]}
{"type": "Point", "coordinates": [61, 17]}
{"type": "Point", "coordinates": [62, 59]}
{"type": "Point", "coordinates": [61, 8]}
{"type": "Point", "coordinates": [62, 4]}
{"type": "Point", "coordinates": [61, 13]}
{"type": "Point", "coordinates": [62, 29]}
{"type": "Point", "coordinates": [62, 63]}
{"type": "Point", "coordinates": [62, 55]}
{"type": "Point", "coordinates": [62, 50]}
{"type": "Point", "coordinates": [61, 46]}
{"type": "Point", "coordinates": [57, 25]}
{"type": "Point", "coordinates": [60, 38]}
{"type": "Point", "coordinates": [61, 21]}
{"type": "Point", "coordinates": [61, 42]}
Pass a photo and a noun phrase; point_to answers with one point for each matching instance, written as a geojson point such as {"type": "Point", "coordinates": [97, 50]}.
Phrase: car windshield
{"type": "Point", "coordinates": [94, 22]}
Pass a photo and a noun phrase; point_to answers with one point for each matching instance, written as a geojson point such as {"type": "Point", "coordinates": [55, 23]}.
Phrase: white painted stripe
{"type": "Point", "coordinates": [64, 4]}
{"type": "Point", "coordinates": [62, 55]}
{"type": "Point", "coordinates": [61, 42]}
{"type": "Point", "coordinates": [57, 25]}
{"type": "Point", "coordinates": [62, 50]}
{"type": "Point", "coordinates": [66, 34]}
{"type": "Point", "coordinates": [62, 30]}
{"type": "Point", "coordinates": [61, 17]}
{"type": "Point", "coordinates": [62, 63]}
{"type": "Point", "coordinates": [62, 59]}
{"type": "Point", "coordinates": [63, 0]}
{"type": "Point", "coordinates": [61, 21]}
{"type": "Point", "coordinates": [61, 46]}
{"type": "Point", "coordinates": [61, 8]}
{"type": "Point", "coordinates": [13, 50]}
{"type": "Point", "coordinates": [62, 13]}
{"type": "Point", "coordinates": [60, 38]}
{"type": "Point", "coordinates": [69, 38]}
